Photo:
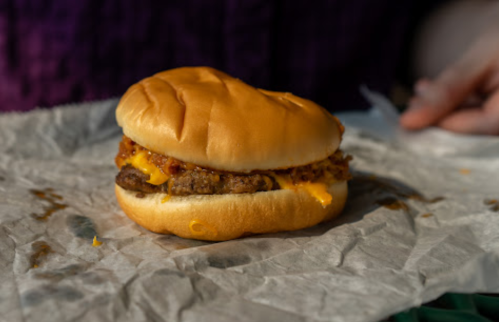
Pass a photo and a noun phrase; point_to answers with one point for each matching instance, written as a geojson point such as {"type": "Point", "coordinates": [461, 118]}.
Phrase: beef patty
{"type": "Point", "coordinates": [195, 182]}
{"type": "Point", "coordinates": [188, 179]}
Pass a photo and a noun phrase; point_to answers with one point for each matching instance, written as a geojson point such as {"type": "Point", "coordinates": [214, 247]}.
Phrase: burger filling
{"type": "Point", "coordinates": [145, 172]}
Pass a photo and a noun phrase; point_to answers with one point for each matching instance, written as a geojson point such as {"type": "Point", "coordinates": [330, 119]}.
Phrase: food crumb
{"type": "Point", "coordinates": [96, 243]}
{"type": "Point", "coordinates": [427, 215]}
{"type": "Point", "coordinates": [464, 171]}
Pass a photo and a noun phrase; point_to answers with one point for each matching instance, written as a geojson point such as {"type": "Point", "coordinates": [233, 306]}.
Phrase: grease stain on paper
{"type": "Point", "coordinates": [170, 272]}
{"type": "Point", "coordinates": [222, 261]}
{"type": "Point", "coordinates": [373, 182]}
{"type": "Point", "coordinates": [54, 206]}
{"type": "Point", "coordinates": [49, 292]}
{"type": "Point", "coordinates": [70, 271]}
{"type": "Point", "coordinates": [61, 273]}
{"type": "Point", "coordinates": [92, 278]}
{"type": "Point", "coordinates": [81, 226]}
{"type": "Point", "coordinates": [393, 203]}
{"type": "Point", "coordinates": [395, 193]}
{"type": "Point", "coordinates": [40, 250]}
{"type": "Point", "coordinates": [464, 171]}
{"type": "Point", "coordinates": [493, 204]}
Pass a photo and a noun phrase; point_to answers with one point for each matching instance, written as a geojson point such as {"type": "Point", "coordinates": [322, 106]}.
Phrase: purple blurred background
{"type": "Point", "coordinates": [55, 52]}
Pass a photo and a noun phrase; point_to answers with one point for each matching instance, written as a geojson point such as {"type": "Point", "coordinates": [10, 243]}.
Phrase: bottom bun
{"type": "Point", "coordinates": [225, 217]}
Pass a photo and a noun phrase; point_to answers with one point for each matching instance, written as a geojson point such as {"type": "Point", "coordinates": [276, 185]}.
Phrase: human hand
{"type": "Point", "coordinates": [464, 97]}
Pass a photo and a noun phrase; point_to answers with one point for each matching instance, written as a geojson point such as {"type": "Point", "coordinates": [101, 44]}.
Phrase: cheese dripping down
{"type": "Point", "coordinates": [318, 190]}
{"type": "Point", "coordinates": [140, 161]}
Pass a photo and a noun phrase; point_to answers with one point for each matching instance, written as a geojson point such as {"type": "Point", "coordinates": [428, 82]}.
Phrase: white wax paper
{"type": "Point", "coordinates": [420, 221]}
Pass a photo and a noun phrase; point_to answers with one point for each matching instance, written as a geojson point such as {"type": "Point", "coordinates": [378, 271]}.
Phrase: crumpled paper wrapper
{"type": "Point", "coordinates": [422, 219]}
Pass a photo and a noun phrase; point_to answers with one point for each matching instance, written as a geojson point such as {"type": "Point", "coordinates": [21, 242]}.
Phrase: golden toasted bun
{"type": "Point", "coordinates": [225, 217]}
{"type": "Point", "coordinates": [206, 117]}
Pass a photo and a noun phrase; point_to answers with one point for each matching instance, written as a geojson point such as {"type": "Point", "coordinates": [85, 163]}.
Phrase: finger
{"type": "Point", "coordinates": [478, 120]}
{"type": "Point", "coordinates": [491, 106]}
{"type": "Point", "coordinates": [472, 101]}
{"type": "Point", "coordinates": [492, 83]}
{"type": "Point", "coordinates": [435, 99]}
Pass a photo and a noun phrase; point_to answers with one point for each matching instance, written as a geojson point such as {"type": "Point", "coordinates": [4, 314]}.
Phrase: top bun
{"type": "Point", "coordinates": [206, 117]}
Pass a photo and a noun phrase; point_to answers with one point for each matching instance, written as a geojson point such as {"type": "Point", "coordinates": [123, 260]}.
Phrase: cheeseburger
{"type": "Point", "coordinates": [206, 156]}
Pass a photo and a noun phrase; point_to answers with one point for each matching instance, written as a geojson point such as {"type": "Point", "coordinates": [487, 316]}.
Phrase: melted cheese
{"type": "Point", "coordinates": [141, 162]}
{"type": "Point", "coordinates": [315, 189]}
{"type": "Point", "coordinates": [318, 191]}
{"type": "Point", "coordinates": [169, 194]}
{"type": "Point", "coordinates": [166, 199]}
{"type": "Point", "coordinates": [96, 243]}
{"type": "Point", "coordinates": [199, 228]}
